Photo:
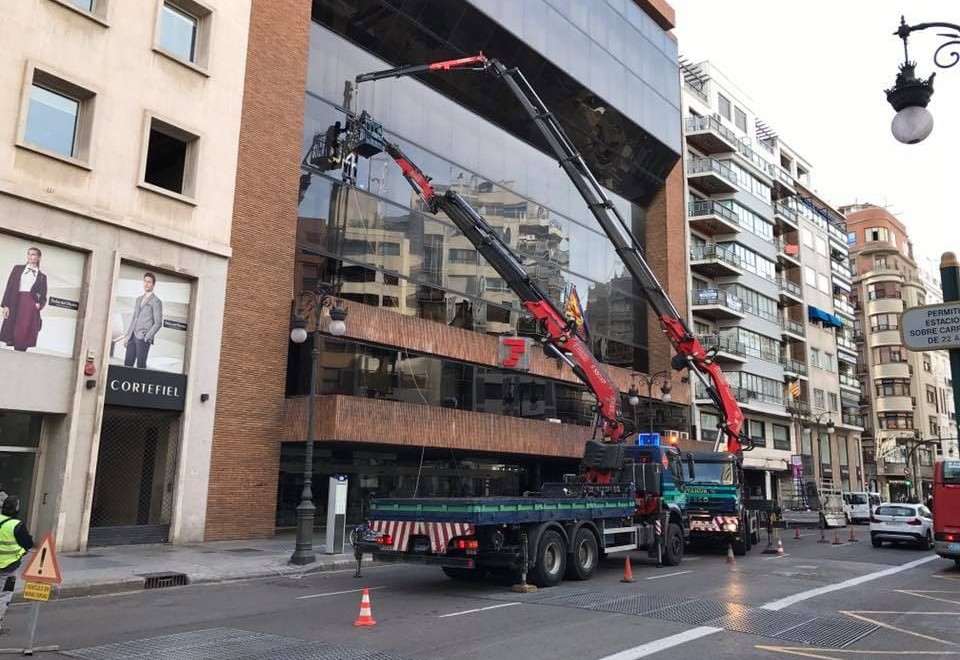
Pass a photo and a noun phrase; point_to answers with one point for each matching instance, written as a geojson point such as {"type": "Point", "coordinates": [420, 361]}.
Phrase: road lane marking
{"type": "Point", "coordinates": [786, 554]}
{"type": "Point", "coordinates": [659, 645]}
{"type": "Point", "coordinates": [852, 582]}
{"type": "Point", "coordinates": [479, 609]}
{"type": "Point", "coordinates": [809, 652]}
{"type": "Point", "coordinates": [929, 638]}
{"type": "Point", "coordinates": [806, 566]}
{"type": "Point", "coordinates": [920, 594]}
{"type": "Point", "coordinates": [337, 593]}
{"type": "Point", "coordinates": [657, 577]}
{"type": "Point", "coordinates": [692, 558]}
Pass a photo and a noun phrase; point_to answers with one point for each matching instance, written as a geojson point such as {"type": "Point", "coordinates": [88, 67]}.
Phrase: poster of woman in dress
{"type": "Point", "coordinates": [150, 316]}
{"type": "Point", "coordinates": [41, 296]}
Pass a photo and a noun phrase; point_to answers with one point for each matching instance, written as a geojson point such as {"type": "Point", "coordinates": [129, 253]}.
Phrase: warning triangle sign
{"type": "Point", "coordinates": [43, 566]}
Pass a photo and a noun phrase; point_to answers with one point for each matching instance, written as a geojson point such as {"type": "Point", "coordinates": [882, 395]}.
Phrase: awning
{"type": "Point", "coordinates": [823, 316]}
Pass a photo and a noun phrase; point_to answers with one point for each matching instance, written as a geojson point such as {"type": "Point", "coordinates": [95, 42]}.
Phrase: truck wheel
{"type": "Point", "coordinates": [463, 574]}
{"type": "Point", "coordinates": [673, 545]}
{"type": "Point", "coordinates": [551, 560]}
{"type": "Point", "coordinates": [742, 543]}
{"type": "Point", "coordinates": [583, 555]}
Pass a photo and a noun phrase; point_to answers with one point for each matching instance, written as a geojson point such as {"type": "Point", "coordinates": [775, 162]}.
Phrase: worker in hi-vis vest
{"type": "Point", "coordinates": [15, 541]}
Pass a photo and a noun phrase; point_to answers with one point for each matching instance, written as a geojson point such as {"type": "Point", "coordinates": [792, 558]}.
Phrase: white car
{"type": "Point", "coordinates": [899, 521]}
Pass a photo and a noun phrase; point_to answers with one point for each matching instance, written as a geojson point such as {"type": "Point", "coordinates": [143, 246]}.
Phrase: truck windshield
{"type": "Point", "coordinates": [856, 498]}
{"type": "Point", "coordinates": [713, 473]}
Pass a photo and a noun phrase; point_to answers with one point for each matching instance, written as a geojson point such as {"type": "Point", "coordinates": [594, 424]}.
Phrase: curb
{"type": "Point", "coordinates": [128, 584]}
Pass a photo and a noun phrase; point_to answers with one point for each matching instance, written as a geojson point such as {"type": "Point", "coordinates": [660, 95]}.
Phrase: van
{"type": "Point", "coordinates": [858, 506]}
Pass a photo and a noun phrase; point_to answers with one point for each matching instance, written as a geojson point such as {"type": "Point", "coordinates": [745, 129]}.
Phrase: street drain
{"type": "Point", "coordinates": [161, 580]}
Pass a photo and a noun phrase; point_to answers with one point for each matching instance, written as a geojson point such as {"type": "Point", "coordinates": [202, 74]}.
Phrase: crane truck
{"type": "Point", "coordinates": [624, 497]}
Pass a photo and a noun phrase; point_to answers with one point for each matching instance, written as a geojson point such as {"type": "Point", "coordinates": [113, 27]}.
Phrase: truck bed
{"type": "Point", "coordinates": [499, 510]}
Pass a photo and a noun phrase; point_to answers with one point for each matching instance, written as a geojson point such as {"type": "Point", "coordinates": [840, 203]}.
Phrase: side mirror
{"type": "Point", "coordinates": [690, 466]}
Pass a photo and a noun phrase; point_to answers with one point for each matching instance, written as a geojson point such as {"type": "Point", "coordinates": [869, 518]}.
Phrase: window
{"type": "Point", "coordinates": [895, 420]}
{"type": "Point", "coordinates": [818, 399]}
{"type": "Point", "coordinates": [823, 283]}
{"type": "Point", "coordinates": [58, 117]}
{"type": "Point", "coordinates": [879, 262]}
{"type": "Point", "coordinates": [462, 256]}
{"type": "Point", "coordinates": [806, 444]}
{"type": "Point", "coordinates": [934, 425]}
{"type": "Point", "coordinates": [781, 437]}
{"type": "Point", "coordinates": [95, 10]}
{"type": "Point", "coordinates": [842, 452]}
{"type": "Point", "coordinates": [810, 276]}
{"type": "Point", "coordinates": [834, 403]}
{"type": "Point", "coordinates": [852, 238]}
{"type": "Point", "coordinates": [821, 246]}
{"type": "Point", "coordinates": [885, 354]}
{"type": "Point", "coordinates": [807, 237]}
{"type": "Point", "coordinates": [388, 249]}
{"type": "Point", "coordinates": [708, 426]}
{"type": "Point", "coordinates": [932, 395]}
{"type": "Point", "coordinates": [882, 290]}
{"type": "Point", "coordinates": [877, 234]}
{"type": "Point", "coordinates": [724, 104]}
{"type": "Point", "coordinates": [171, 160]}
{"type": "Point", "coordinates": [825, 458]}
{"type": "Point", "coordinates": [740, 119]}
{"type": "Point", "coordinates": [814, 357]}
{"type": "Point", "coordinates": [828, 362]}
{"type": "Point", "coordinates": [926, 364]}
{"type": "Point", "coordinates": [182, 32]}
{"type": "Point", "coordinates": [756, 434]}
{"type": "Point", "coordinates": [880, 322]}
{"type": "Point", "coordinates": [893, 387]}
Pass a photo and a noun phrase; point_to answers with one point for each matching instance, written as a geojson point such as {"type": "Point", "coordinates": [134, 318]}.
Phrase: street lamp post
{"type": "Point", "coordinates": [910, 95]}
{"type": "Point", "coordinates": [815, 422]}
{"type": "Point", "coordinates": [324, 296]}
{"type": "Point", "coordinates": [665, 388]}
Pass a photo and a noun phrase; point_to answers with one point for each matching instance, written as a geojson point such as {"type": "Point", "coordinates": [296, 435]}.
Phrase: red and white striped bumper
{"type": "Point", "coordinates": [439, 534]}
{"type": "Point", "coordinates": [715, 524]}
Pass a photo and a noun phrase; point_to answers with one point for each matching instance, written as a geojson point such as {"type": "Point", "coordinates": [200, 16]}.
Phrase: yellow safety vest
{"type": "Point", "coordinates": [10, 550]}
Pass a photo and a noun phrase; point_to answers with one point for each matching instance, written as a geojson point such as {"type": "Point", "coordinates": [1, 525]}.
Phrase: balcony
{"type": "Point", "coordinates": [791, 366]}
{"type": "Point", "coordinates": [711, 176]}
{"type": "Point", "coordinates": [850, 419]}
{"type": "Point", "coordinates": [716, 304]}
{"type": "Point", "coordinates": [783, 184]}
{"type": "Point", "coordinates": [707, 135]}
{"type": "Point", "coordinates": [712, 218]}
{"type": "Point", "coordinates": [841, 306]}
{"type": "Point", "coordinates": [786, 215]}
{"type": "Point", "coordinates": [840, 270]}
{"type": "Point", "coordinates": [846, 344]}
{"type": "Point", "coordinates": [714, 260]}
{"type": "Point", "coordinates": [850, 382]}
{"type": "Point", "coordinates": [742, 395]}
{"type": "Point", "coordinates": [794, 328]}
{"type": "Point", "coordinates": [787, 253]}
{"type": "Point", "coordinates": [728, 349]}
{"type": "Point", "coordinates": [837, 233]}
{"type": "Point", "coordinates": [791, 293]}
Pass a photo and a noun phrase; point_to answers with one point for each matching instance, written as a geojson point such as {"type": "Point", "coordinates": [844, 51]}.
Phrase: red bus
{"type": "Point", "coordinates": [946, 509]}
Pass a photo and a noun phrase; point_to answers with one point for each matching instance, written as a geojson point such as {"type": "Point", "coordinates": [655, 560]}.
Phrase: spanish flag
{"type": "Point", "coordinates": [795, 388]}
{"type": "Point", "coordinates": [574, 310]}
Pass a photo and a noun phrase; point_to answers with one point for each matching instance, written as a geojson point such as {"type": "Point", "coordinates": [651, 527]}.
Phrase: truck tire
{"type": "Point", "coordinates": [584, 555]}
{"type": "Point", "coordinates": [463, 574]}
{"type": "Point", "coordinates": [741, 544]}
{"type": "Point", "coordinates": [673, 545]}
{"type": "Point", "coordinates": [551, 560]}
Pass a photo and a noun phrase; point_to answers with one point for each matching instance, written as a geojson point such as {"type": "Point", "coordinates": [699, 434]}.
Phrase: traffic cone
{"type": "Point", "coordinates": [730, 558]}
{"type": "Point", "coordinates": [796, 533]}
{"type": "Point", "coordinates": [779, 546]}
{"type": "Point", "coordinates": [836, 538]}
{"type": "Point", "coordinates": [627, 570]}
{"type": "Point", "coordinates": [853, 535]}
{"type": "Point", "coordinates": [366, 616]}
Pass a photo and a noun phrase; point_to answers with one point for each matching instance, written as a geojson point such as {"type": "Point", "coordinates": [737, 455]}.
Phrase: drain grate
{"type": "Point", "coordinates": [225, 644]}
{"type": "Point", "coordinates": [166, 579]}
{"type": "Point", "coordinates": [832, 632]}
{"type": "Point", "coordinates": [697, 612]}
{"type": "Point", "coordinates": [582, 601]}
{"type": "Point", "coordinates": [639, 604]}
{"type": "Point", "coordinates": [769, 623]}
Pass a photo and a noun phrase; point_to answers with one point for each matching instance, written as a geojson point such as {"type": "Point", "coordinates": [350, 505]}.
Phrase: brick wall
{"type": "Point", "coordinates": [250, 397]}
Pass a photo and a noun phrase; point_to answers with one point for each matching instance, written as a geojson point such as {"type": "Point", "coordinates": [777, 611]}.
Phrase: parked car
{"type": "Point", "coordinates": [859, 505]}
{"type": "Point", "coordinates": [900, 521]}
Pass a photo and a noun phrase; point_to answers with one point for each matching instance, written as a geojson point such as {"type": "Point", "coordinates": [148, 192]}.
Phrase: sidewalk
{"type": "Point", "coordinates": [126, 568]}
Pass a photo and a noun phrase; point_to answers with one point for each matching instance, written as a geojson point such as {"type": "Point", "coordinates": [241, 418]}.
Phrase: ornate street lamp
{"type": "Point", "coordinates": [910, 95]}
{"type": "Point", "coordinates": [325, 295]}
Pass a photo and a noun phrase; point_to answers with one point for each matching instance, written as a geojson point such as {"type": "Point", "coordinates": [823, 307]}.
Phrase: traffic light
{"type": "Point", "coordinates": [907, 483]}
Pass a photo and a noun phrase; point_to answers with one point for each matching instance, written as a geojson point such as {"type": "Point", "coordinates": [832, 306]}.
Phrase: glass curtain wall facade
{"type": "Point", "coordinates": [615, 93]}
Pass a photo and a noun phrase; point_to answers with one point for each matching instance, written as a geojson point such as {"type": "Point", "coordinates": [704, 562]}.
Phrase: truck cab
{"type": "Point", "coordinates": [673, 487]}
{"type": "Point", "coordinates": [716, 503]}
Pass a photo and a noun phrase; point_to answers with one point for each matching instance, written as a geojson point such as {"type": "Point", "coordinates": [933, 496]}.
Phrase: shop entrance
{"type": "Point", "coordinates": [19, 444]}
{"type": "Point", "coordinates": [136, 467]}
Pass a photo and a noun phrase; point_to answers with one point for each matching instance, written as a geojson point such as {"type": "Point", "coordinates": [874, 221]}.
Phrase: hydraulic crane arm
{"type": "Point", "coordinates": [690, 352]}
{"type": "Point", "coordinates": [559, 337]}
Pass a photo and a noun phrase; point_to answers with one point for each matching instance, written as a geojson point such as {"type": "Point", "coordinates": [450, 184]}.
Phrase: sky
{"type": "Point", "coordinates": [815, 72]}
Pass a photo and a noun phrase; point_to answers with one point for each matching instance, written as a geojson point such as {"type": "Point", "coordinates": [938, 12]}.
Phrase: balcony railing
{"type": "Point", "coordinates": [793, 326]}
{"type": "Point", "coordinates": [714, 251]}
{"type": "Point", "coordinates": [696, 92]}
{"type": "Point", "coordinates": [789, 286]}
{"type": "Point", "coordinates": [789, 249]}
{"type": "Point", "coordinates": [710, 207]}
{"type": "Point", "coordinates": [846, 343]}
{"type": "Point", "coordinates": [840, 269]}
{"type": "Point", "coordinates": [843, 306]}
{"type": "Point", "coordinates": [786, 212]}
{"type": "Point", "coordinates": [703, 165]}
{"type": "Point", "coordinates": [711, 124]}
{"type": "Point", "coordinates": [716, 297]}
{"type": "Point", "coordinates": [781, 175]}
{"type": "Point", "coordinates": [850, 381]}
{"type": "Point", "coordinates": [743, 395]}
{"type": "Point", "coordinates": [794, 366]}
{"type": "Point", "coordinates": [852, 420]}
{"type": "Point", "coordinates": [725, 344]}
{"type": "Point", "coordinates": [837, 232]}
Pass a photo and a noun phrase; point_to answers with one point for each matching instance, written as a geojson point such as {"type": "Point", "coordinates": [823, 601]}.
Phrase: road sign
{"type": "Point", "coordinates": [36, 591]}
{"type": "Point", "coordinates": [932, 327]}
{"type": "Point", "coordinates": [906, 472]}
{"type": "Point", "coordinates": [43, 566]}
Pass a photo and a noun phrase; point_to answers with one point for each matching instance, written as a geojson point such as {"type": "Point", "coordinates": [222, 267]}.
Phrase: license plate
{"type": "Point", "coordinates": [894, 522]}
{"type": "Point", "coordinates": [953, 547]}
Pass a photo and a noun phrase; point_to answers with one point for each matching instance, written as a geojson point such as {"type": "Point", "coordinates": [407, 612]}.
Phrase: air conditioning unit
{"type": "Point", "coordinates": [684, 435]}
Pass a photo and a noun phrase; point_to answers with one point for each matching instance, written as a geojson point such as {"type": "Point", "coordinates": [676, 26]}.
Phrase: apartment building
{"type": "Point", "coordinates": [769, 288]}
{"type": "Point", "coordinates": [907, 394]}
{"type": "Point", "coordinates": [119, 124]}
{"type": "Point", "coordinates": [412, 398]}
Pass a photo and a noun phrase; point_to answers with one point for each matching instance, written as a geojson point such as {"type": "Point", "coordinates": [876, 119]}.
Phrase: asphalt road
{"type": "Point", "coordinates": [817, 600]}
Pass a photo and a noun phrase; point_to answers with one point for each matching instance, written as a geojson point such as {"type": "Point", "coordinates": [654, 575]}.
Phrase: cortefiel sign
{"type": "Point", "coordinates": [931, 328]}
{"type": "Point", "coordinates": [145, 388]}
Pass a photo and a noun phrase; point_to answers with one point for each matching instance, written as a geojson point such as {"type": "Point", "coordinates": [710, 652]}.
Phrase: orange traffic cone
{"type": "Point", "coordinates": [796, 533]}
{"type": "Point", "coordinates": [730, 558]}
{"type": "Point", "coordinates": [836, 538]}
{"type": "Point", "coordinates": [779, 545]}
{"type": "Point", "coordinates": [627, 570]}
{"type": "Point", "coordinates": [366, 616]}
{"type": "Point", "coordinates": [853, 536]}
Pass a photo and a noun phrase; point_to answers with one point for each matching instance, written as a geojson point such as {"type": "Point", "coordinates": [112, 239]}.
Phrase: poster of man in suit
{"type": "Point", "coordinates": [150, 317]}
{"type": "Point", "coordinates": [41, 296]}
